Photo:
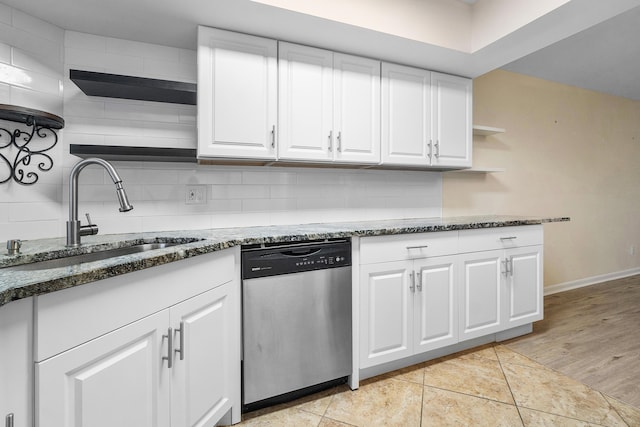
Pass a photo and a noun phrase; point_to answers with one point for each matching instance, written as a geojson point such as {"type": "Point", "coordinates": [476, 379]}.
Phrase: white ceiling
{"type": "Point", "coordinates": [604, 58]}
{"type": "Point", "coordinates": [587, 43]}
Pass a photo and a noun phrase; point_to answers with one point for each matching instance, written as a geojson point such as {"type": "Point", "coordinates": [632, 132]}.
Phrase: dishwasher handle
{"type": "Point", "coordinates": [301, 252]}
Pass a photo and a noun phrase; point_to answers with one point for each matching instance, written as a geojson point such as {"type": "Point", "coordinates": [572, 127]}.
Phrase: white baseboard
{"type": "Point", "coordinates": [588, 281]}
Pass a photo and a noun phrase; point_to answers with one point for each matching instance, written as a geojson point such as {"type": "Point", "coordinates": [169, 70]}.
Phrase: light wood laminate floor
{"type": "Point", "coordinates": [592, 335]}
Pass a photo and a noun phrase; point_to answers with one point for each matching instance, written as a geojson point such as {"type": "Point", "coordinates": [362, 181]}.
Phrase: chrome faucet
{"type": "Point", "coordinates": [74, 229]}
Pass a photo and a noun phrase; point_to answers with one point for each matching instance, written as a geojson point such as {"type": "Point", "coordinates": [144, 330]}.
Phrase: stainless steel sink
{"type": "Point", "coordinates": [89, 257]}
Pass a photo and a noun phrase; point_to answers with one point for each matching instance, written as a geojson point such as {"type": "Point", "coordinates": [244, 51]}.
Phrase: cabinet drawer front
{"type": "Point", "coordinates": [407, 246]}
{"type": "Point", "coordinates": [499, 238]}
{"type": "Point", "coordinates": [73, 316]}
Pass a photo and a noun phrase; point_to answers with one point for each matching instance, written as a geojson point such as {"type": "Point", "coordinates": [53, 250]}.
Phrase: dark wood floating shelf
{"type": "Point", "coordinates": [30, 116]}
{"type": "Point", "coordinates": [139, 154]}
{"type": "Point", "coordinates": [138, 88]}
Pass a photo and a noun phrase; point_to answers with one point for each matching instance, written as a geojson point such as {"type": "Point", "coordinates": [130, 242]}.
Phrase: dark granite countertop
{"type": "Point", "coordinates": [16, 284]}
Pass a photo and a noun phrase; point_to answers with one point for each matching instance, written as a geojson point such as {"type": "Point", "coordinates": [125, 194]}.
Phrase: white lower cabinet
{"type": "Point", "coordinates": [406, 307]}
{"type": "Point", "coordinates": [201, 389]}
{"type": "Point", "coordinates": [16, 363]}
{"type": "Point", "coordinates": [422, 292]}
{"type": "Point", "coordinates": [500, 289]}
{"type": "Point", "coordinates": [436, 315]}
{"type": "Point", "coordinates": [168, 369]}
{"type": "Point", "coordinates": [158, 347]}
{"type": "Point", "coordinates": [118, 379]}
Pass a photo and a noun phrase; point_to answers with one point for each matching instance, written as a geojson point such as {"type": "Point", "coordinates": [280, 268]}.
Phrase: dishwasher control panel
{"type": "Point", "coordinates": [263, 262]}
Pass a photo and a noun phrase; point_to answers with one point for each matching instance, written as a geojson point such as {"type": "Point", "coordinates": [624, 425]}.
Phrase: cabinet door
{"type": "Point", "coordinates": [119, 379]}
{"type": "Point", "coordinates": [524, 299]}
{"type": "Point", "coordinates": [480, 294]}
{"type": "Point", "coordinates": [16, 362]}
{"type": "Point", "coordinates": [386, 310]}
{"type": "Point", "coordinates": [356, 119]}
{"type": "Point", "coordinates": [452, 124]}
{"type": "Point", "coordinates": [237, 95]}
{"type": "Point", "coordinates": [435, 309]}
{"type": "Point", "coordinates": [207, 359]}
{"type": "Point", "coordinates": [305, 103]}
{"type": "Point", "coordinates": [406, 115]}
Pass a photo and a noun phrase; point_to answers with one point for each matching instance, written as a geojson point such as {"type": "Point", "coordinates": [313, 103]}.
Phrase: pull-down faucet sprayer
{"type": "Point", "coordinates": [74, 229]}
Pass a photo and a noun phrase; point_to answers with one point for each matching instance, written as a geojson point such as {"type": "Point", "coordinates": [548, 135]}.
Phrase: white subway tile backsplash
{"type": "Point", "coordinates": [240, 192]}
{"type": "Point", "coordinates": [38, 27]}
{"type": "Point", "coordinates": [328, 177]}
{"type": "Point", "coordinates": [210, 175]}
{"type": "Point", "coordinates": [244, 219]}
{"type": "Point", "coordinates": [5, 94]}
{"type": "Point", "coordinates": [143, 50]}
{"type": "Point", "coordinates": [27, 61]}
{"type": "Point", "coordinates": [84, 41]}
{"type": "Point", "coordinates": [161, 192]}
{"type": "Point", "coordinates": [146, 207]}
{"type": "Point", "coordinates": [20, 212]}
{"type": "Point", "coordinates": [46, 51]}
{"type": "Point", "coordinates": [30, 230]}
{"type": "Point", "coordinates": [176, 222]}
{"type": "Point", "coordinates": [16, 193]}
{"type": "Point", "coordinates": [189, 56]}
{"type": "Point", "coordinates": [103, 62]}
{"type": "Point", "coordinates": [269, 176]}
{"type": "Point", "coordinates": [321, 203]}
{"type": "Point", "coordinates": [121, 223]}
{"type": "Point", "coordinates": [141, 111]}
{"type": "Point", "coordinates": [5, 53]}
{"type": "Point", "coordinates": [5, 205]}
{"type": "Point", "coordinates": [170, 70]}
{"type": "Point", "coordinates": [87, 107]}
{"type": "Point", "coordinates": [5, 14]}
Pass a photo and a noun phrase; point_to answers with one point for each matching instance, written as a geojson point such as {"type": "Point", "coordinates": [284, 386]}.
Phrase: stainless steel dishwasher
{"type": "Point", "coordinates": [296, 302]}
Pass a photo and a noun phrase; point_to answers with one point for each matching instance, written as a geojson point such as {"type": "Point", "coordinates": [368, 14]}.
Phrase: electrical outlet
{"type": "Point", "coordinates": [196, 195]}
{"type": "Point", "coordinates": [632, 250]}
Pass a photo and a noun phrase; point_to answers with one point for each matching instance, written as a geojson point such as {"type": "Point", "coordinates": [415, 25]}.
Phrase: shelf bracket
{"type": "Point", "coordinates": [20, 148]}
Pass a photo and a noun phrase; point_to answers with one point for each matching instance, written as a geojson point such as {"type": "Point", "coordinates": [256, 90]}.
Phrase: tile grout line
{"type": "Point", "coordinates": [506, 380]}
{"type": "Point", "coordinates": [624, 420]}
{"type": "Point", "coordinates": [559, 373]}
{"type": "Point", "coordinates": [424, 373]}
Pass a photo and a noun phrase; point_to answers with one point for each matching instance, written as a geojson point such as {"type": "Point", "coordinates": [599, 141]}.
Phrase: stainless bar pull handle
{"type": "Point", "coordinates": [509, 238]}
{"type": "Point", "coordinates": [412, 285]}
{"type": "Point", "coordinates": [506, 268]}
{"type": "Point", "coordinates": [419, 281]}
{"type": "Point", "coordinates": [9, 421]}
{"type": "Point", "coordinates": [417, 247]}
{"type": "Point", "coordinates": [330, 140]}
{"type": "Point", "coordinates": [180, 350]}
{"type": "Point", "coordinates": [169, 356]}
{"type": "Point", "coordinates": [429, 154]}
{"type": "Point", "coordinates": [437, 146]}
{"type": "Point", "coordinates": [339, 141]}
{"type": "Point", "coordinates": [273, 136]}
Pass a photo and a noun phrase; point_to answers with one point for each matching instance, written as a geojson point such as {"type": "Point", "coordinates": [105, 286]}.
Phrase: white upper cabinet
{"type": "Point", "coordinates": [237, 95]}
{"type": "Point", "coordinates": [305, 97]}
{"type": "Point", "coordinates": [452, 120]}
{"type": "Point", "coordinates": [426, 118]}
{"type": "Point", "coordinates": [356, 109]}
{"type": "Point", "coordinates": [267, 100]}
{"type": "Point", "coordinates": [329, 106]}
{"type": "Point", "coordinates": [406, 115]}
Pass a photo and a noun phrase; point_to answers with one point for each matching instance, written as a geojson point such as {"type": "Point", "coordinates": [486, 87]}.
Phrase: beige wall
{"type": "Point", "coordinates": [567, 152]}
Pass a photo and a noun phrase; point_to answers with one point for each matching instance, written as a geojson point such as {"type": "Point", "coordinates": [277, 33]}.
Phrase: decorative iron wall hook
{"type": "Point", "coordinates": [16, 164]}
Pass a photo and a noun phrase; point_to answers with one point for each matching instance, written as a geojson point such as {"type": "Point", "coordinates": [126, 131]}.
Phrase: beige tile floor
{"type": "Point", "coordinates": [489, 386]}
